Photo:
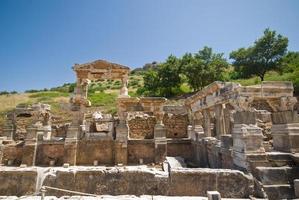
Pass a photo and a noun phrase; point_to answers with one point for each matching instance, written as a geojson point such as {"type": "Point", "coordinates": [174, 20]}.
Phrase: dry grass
{"type": "Point", "coordinates": [8, 102]}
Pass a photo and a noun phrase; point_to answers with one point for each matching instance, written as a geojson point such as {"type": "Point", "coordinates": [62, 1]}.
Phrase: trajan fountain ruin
{"type": "Point", "coordinates": [225, 141]}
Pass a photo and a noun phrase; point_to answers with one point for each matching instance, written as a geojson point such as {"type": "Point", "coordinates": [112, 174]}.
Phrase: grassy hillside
{"type": "Point", "coordinates": [102, 96]}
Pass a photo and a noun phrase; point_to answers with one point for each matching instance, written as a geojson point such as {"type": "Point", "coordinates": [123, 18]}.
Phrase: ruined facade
{"type": "Point", "coordinates": [226, 137]}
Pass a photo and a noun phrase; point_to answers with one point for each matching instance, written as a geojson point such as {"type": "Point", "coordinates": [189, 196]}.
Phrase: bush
{"type": "Point", "coordinates": [4, 93]}
{"type": "Point", "coordinates": [32, 91]}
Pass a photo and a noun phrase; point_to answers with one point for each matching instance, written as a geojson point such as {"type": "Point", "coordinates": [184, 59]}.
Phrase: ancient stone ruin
{"type": "Point", "coordinates": [226, 140]}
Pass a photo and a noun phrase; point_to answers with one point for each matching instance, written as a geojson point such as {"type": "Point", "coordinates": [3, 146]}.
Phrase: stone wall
{"type": "Point", "coordinates": [90, 150]}
{"type": "Point", "coordinates": [13, 153]}
{"type": "Point", "coordinates": [130, 180]}
{"type": "Point", "coordinates": [17, 182]}
{"type": "Point", "coordinates": [213, 153]}
{"type": "Point", "coordinates": [113, 181]}
{"type": "Point", "coordinates": [50, 152]}
{"type": "Point", "coordinates": [176, 125]}
{"type": "Point", "coordinates": [196, 182]}
{"type": "Point", "coordinates": [182, 148]}
{"type": "Point", "coordinates": [141, 149]}
{"type": "Point", "coordinates": [141, 126]}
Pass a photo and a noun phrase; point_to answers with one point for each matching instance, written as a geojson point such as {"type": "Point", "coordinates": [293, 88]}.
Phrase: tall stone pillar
{"type": "Point", "coordinates": [159, 131]}
{"type": "Point", "coordinates": [122, 130]}
{"type": "Point", "coordinates": [75, 130]}
{"type": "Point", "coordinates": [285, 131]}
{"type": "Point", "coordinates": [220, 122]}
{"type": "Point", "coordinates": [207, 123]}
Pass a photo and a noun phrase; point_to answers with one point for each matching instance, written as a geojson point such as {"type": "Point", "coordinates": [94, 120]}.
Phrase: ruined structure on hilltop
{"type": "Point", "coordinates": [239, 140]}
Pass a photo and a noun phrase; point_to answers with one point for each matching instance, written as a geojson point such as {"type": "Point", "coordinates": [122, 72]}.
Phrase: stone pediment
{"type": "Point", "coordinates": [100, 70]}
{"type": "Point", "coordinates": [99, 64]}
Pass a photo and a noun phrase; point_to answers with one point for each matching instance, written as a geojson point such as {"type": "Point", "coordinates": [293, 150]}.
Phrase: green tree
{"type": "Point", "coordinates": [203, 67]}
{"type": "Point", "coordinates": [266, 54]}
{"type": "Point", "coordinates": [169, 76]}
{"type": "Point", "coordinates": [151, 83]}
{"type": "Point", "coordinates": [290, 62]}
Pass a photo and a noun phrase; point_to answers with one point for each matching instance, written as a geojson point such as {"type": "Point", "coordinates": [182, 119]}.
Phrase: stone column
{"type": "Point", "coordinates": [159, 131]}
{"type": "Point", "coordinates": [220, 123]}
{"type": "Point", "coordinates": [207, 123]}
{"type": "Point", "coordinates": [122, 130]}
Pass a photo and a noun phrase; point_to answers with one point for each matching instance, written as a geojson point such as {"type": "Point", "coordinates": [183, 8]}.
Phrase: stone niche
{"type": "Point", "coordinates": [50, 153]}
{"type": "Point", "coordinates": [176, 121]}
{"type": "Point", "coordinates": [141, 151]}
{"type": "Point", "coordinates": [12, 155]}
{"type": "Point", "coordinates": [141, 125]}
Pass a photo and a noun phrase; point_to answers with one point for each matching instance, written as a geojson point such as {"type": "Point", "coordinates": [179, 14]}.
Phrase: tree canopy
{"type": "Point", "coordinates": [198, 70]}
{"type": "Point", "coordinates": [266, 54]}
{"type": "Point", "coordinates": [203, 68]}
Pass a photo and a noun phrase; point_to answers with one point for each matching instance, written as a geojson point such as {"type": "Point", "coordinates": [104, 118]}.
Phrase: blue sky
{"type": "Point", "coordinates": [40, 40]}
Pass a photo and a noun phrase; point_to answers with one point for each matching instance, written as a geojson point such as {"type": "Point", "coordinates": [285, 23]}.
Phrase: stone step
{"type": "Point", "coordinates": [282, 191]}
{"type": "Point", "coordinates": [295, 158]}
{"type": "Point", "coordinates": [277, 175]}
{"type": "Point", "coordinates": [279, 158]}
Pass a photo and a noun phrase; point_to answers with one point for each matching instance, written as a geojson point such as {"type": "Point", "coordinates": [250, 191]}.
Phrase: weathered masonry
{"type": "Point", "coordinates": [221, 136]}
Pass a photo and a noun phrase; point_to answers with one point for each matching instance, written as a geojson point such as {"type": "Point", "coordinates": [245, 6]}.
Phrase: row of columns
{"type": "Point", "coordinates": [218, 114]}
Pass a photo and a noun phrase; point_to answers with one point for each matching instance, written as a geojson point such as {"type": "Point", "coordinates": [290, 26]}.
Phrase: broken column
{"type": "Point", "coordinates": [124, 88]}
{"type": "Point", "coordinates": [247, 139]}
{"type": "Point", "coordinates": [9, 127]}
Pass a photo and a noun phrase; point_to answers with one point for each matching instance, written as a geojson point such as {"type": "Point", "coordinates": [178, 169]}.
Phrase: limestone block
{"type": "Point", "coordinates": [244, 117]}
{"type": "Point", "coordinates": [285, 117]}
{"type": "Point", "coordinates": [247, 138]}
{"type": "Point", "coordinates": [18, 182]}
{"type": "Point", "coordinates": [296, 187]}
{"type": "Point", "coordinates": [176, 125]}
{"type": "Point", "coordinates": [286, 137]}
{"type": "Point", "coordinates": [197, 181]}
{"type": "Point", "coordinates": [141, 125]}
{"type": "Point", "coordinates": [176, 162]}
{"type": "Point", "coordinates": [263, 115]}
{"type": "Point", "coordinates": [213, 195]}
{"type": "Point", "coordinates": [174, 109]}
